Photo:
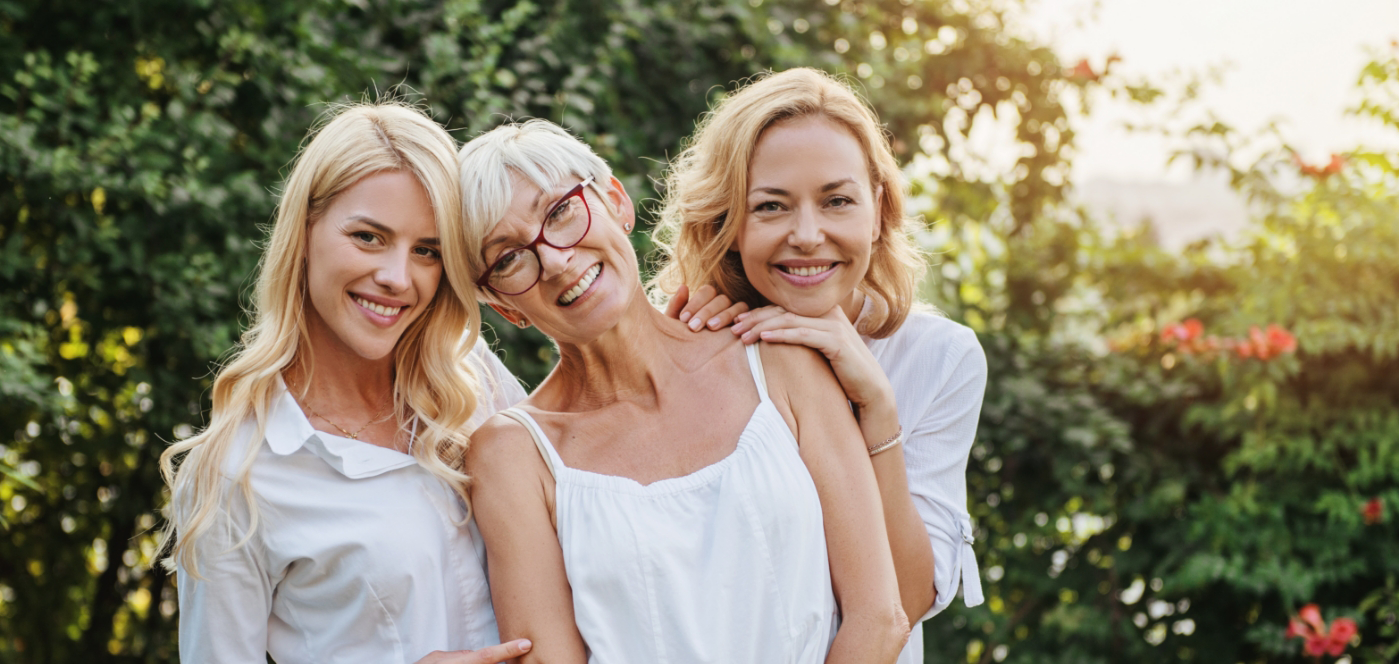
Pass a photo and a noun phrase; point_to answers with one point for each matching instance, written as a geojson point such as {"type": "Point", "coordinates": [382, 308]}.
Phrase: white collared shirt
{"type": "Point", "coordinates": [361, 555]}
{"type": "Point", "coordinates": [938, 372]}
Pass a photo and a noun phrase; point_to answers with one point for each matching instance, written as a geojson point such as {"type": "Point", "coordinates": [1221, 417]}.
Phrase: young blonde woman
{"type": "Point", "coordinates": [318, 517]}
{"type": "Point", "coordinates": [788, 198]}
{"type": "Point", "coordinates": [662, 496]}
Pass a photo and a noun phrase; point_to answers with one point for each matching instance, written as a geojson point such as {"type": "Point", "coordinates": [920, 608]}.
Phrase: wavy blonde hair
{"type": "Point", "coordinates": [432, 378]}
{"type": "Point", "coordinates": [706, 191]}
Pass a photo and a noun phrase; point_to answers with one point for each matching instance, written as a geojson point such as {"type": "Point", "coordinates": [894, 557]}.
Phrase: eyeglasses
{"type": "Point", "coordinates": [564, 226]}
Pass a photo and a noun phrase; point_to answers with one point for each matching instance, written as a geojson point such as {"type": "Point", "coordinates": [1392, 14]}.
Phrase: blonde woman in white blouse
{"type": "Point", "coordinates": [789, 198]}
{"type": "Point", "coordinates": [319, 517]}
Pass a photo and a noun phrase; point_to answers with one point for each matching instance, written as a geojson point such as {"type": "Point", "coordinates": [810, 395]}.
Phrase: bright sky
{"type": "Point", "coordinates": [1295, 61]}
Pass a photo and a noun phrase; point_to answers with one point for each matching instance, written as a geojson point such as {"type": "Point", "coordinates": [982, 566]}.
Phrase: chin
{"type": "Point", "coordinates": [374, 348]}
{"type": "Point", "coordinates": [804, 304]}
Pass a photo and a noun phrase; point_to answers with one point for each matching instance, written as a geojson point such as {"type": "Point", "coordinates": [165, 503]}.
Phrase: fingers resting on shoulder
{"type": "Point", "coordinates": [705, 307]}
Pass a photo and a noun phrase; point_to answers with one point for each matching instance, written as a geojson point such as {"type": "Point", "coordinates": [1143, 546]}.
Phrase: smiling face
{"type": "Point", "coordinates": [582, 290]}
{"type": "Point", "coordinates": [812, 217]}
{"type": "Point", "coordinates": [372, 265]}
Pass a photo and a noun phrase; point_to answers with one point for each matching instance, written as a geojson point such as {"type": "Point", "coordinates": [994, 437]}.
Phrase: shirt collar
{"type": "Point", "coordinates": [288, 430]}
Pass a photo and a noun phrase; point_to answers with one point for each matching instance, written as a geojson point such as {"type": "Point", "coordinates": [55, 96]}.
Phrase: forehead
{"type": "Point", "coordinates": [812, 147]}
{"type": "Point", "coordinates": [528, 203]}
{"type": "Point", "coordinates": [392, 198]}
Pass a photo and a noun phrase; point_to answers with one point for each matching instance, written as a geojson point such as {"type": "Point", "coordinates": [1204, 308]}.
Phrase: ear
{"type": "Point", "coordinates": [516, 318]}
{"type": "Point", "coordinates": [617, 196]}
{"type": "Point", "coordinates": [879, 218]}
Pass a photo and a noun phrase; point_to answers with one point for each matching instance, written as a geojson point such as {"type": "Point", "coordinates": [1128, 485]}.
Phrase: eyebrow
{"type": "Point", "coordinates": [533, 206]}
{"type": "Point", "coordinates": [783, 192]}
{"type": "Point", "coordinates": [388, 231]}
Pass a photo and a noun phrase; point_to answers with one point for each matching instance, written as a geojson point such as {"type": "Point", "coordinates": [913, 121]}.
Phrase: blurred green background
{"type": "Point", "coordinates": [1139, 496]}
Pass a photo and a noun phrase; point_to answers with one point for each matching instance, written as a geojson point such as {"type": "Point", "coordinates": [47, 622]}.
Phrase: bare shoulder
{"type": "Point", "coordinates": [802, 386]}
{"type": "Point", "coordinates": [796, 369]}
{"type": "Point", "coordinates": [503, 449]}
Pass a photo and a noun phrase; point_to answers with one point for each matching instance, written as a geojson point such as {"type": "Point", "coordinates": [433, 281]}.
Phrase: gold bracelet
{"type": "Point", "coordinates": [896, 439]}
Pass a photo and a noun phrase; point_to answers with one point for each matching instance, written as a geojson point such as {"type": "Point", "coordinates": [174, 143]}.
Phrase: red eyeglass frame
{"type": "Point", "coordinates": [484, 280]}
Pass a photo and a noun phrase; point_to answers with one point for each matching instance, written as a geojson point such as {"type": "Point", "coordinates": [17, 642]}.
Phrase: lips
{"type": "Point", "coordinates": [806, 270]}
{"type": "Point", "coordinates": [572, 294]}
{"type": "Point", "coordinates": [379, 313]}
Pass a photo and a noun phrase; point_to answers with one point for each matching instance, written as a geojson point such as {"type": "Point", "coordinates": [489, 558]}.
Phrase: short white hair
{"type": "Point", "coordinates": [539, 151]}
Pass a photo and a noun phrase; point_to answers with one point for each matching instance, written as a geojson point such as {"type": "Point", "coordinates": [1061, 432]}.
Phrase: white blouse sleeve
{"type": "Point", "coordinates": [223, 617]}
{"type": "Point", "coordinates": [937, 445]}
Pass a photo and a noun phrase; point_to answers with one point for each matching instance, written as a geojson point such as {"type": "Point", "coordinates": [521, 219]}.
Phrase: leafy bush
{"type": "Point", "coordinates": [1177, 452]}
{"type": "Point", "coordinates": [140, 147]}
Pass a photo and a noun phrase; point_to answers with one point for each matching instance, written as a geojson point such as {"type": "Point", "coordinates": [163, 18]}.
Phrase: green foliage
{"type": "Point", "coordinates": [1142, 499]}
{"type": "Point", "coordinates": [142, 147]}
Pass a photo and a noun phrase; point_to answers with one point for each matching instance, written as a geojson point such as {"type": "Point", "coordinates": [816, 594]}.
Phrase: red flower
{"type": "Point", "coordinates": [1184, 332]}
{"type": "Point", "coordinates": [1332, 167]}
{"type": "Point", "coordinates": [1373, 511]}
{"type": "Point", "coordinates": [1260, 343]}
{"type": "Point", "coordinates": [1083, 71]}
{"type": "Point", "coordinates": [1317, 641]}
{"type": "Point", "coordinates": [1281, 340]}
{"type": "Point", "coordinates": [1265, 345]}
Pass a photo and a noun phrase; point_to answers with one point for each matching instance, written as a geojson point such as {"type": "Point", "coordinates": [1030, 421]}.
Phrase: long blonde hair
{"type": "Point", "coordinates": [707, 184]}
{"type": "Point", "coordinates": [431, 376]}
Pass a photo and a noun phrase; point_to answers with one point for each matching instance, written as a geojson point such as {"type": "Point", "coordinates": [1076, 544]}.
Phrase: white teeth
{"type": "Point", "coordinates": [583, 284]}
{"type": "Point", "coordinates": [810, 271]}
{"type": "Point", "coordinates": [377, 308]}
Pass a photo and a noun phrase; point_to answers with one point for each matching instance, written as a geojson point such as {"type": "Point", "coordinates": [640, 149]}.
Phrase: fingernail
{"type": "Point", "coordinates": [714, 323]}
{"type": "Point", "coordinates": [684, 316]}
{"type": "Point", "coordinates": [695, 324]}
{"type": "Point", "coordinates": [525, 645]}
{"type": "Point", "coordinates": [765, 334]}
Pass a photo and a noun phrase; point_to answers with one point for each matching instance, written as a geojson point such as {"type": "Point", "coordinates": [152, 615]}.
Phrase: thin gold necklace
{"type": "Point", "coordinates": [352, 435]}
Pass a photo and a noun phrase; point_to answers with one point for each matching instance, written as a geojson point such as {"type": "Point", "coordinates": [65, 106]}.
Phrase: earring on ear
{"type": "Point", "coordinates": [626, 227]}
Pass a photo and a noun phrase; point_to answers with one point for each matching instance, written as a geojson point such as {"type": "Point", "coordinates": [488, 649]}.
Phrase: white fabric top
{"type": "Point", "coordinates": [360, 556]}
{"type": "Point", "coordinates": [938, 372]}
{"type": "Point", "coordinates": [726, 564]}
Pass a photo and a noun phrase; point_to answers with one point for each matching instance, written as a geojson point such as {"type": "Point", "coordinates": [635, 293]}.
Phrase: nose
{"type": "Point", "coordinates": [393, 271]}
{"type": "Point", "coordinates": [552, 260]}
{"type": "Point", "coordinates": [806, 233]}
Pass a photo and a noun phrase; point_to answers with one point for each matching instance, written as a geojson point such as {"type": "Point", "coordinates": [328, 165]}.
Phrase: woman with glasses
{"type": "Point", "coordinates": [662, 496]}
{"type": "Point", "coordinates": [789, 198]}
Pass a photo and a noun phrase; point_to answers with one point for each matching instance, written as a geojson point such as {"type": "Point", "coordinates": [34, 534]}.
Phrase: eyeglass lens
{"type": "Point", "coordinates": [564, 226]}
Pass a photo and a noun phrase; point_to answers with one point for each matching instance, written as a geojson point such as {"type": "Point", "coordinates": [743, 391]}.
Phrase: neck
{"type": "Point", "coordinates": [331, 376]}
{"type": "Point", "coordinates": [625, 363]}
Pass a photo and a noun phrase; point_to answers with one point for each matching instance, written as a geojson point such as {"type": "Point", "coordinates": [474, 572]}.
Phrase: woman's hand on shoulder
{"type": "Point", "coordinates": [833, 335]}
{"type": "Point", "coordinates": [704, 308]}
{"type": "Point", "coordinates": [491, 655]}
